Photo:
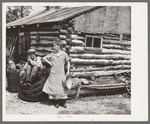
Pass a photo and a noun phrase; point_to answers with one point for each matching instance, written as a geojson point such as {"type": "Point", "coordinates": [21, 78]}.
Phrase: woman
{"type": "Point", "coordinates": [53, 86]}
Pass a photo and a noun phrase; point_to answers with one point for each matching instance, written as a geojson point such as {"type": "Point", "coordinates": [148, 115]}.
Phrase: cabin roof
{"type": "Point", "coordinates": [46, 16]}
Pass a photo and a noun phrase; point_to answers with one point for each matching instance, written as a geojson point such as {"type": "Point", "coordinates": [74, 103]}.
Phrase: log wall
{"type": "Point", "coordinates": [115, 55]}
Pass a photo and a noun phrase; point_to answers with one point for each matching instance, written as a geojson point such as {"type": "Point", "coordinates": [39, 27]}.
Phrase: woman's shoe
{"type": "Point", "coordinates": [56, 105]}
{"type": "Point", "coordinates": [65, 106]}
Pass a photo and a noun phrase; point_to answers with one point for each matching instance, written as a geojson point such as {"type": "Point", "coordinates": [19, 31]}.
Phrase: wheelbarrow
{"type": "Point", "coordinates": [125, 77]}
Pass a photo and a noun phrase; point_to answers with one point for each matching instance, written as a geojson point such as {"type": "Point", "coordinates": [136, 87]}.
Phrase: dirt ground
{"type": "Point", "coordinates": [112, 104]}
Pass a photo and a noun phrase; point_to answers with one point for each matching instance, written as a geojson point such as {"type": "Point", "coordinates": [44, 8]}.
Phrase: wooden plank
{"type": "Point", "coordinates": [99, 56]}
{"type": "Point", "coordinates": [106, 68]}
{"type": "Point", "coordinates": [85, 91]}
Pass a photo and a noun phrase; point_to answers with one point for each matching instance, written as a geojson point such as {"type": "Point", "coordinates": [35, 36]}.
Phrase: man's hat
{"type": "Point", "coordinates": [31, 51]}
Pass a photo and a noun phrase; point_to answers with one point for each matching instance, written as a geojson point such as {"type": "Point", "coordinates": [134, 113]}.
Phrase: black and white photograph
{"type": "Point", "coordinates": [68, 60]}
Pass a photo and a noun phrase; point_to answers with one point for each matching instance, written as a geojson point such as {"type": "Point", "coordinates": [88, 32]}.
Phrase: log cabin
{"type": "Point", "coordinates": [96, 38]}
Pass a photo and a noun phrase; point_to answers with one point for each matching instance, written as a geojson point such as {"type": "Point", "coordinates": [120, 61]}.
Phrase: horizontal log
{"type": "Point", "coordinates": [100, 35]}
{"type": "Point", "coordinates": [68, 41]}
{"type": "Point", "coordinates": [110, 38]}
{"type": "Point", "coordinates": [70, 30]}
{"type": "Point", "coordinates": [42, 43]}
{"type": "Point", "coordinates": [68, 47]}
{"type": "Point", "coordinates": [102, 62]}
{"type": "Point", "coordinates": [43, 49]}
{"type": "Point", "coordinates": [84, 66]}
{"type": "Point", "coordinates": [116, 47]}
{"type": "Point", "coordinates": [77, 37]}
{"type": "Point", "coordinates": [62, 31]}
{"type": "Point", "coordinates": [45, 33]}
{"type": "Point", "coordinates": [77, 49]}
{"type": "Point", "coordinates": [116, 51]}
{"type": "Point", "coordinates": [63, 42]}
{"type": "Point", "coordinates": [52, 27]}
{"type": "Point", "coordinates": [76, 43]}
{"type": "Point", "coordinates": [127, 43]}
{"type": "Point", "coordinates": [49, 38]}
{"type": "Point", "coordinates": [104, 51]}
{"type": "Point", "coordinates": [109, 35]}
{"type": "Point", "coordinates": [106, 68]}
{"type": "Point", "coordinates": [94, 56]}
{"type": "Point", "coordinates": [42, 54]}
{"type": "Point", "coordinates": [72, 22]}
{"type": "Point", "coordinates": [95, 73]}
{"type": "Point", "coordinates": [65, 26]}
{"type": "Point", "coordinates": [62, 37]}
{"type": "Point", "coordinates": [93, 49]}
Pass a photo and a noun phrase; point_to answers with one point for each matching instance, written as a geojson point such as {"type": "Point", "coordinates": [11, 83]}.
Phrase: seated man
{"type": "Point", "coordinates": [32, 66]}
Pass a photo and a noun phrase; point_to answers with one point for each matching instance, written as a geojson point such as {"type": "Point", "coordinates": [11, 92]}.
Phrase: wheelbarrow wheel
{"type": "Point", "coordinates": [128, 87]}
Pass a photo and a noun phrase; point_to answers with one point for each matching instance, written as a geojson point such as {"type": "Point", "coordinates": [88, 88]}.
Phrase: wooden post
{"type": "Point", "coordinates": [78, 92]}
{"type": "Point", "coordinates": [120, 37]}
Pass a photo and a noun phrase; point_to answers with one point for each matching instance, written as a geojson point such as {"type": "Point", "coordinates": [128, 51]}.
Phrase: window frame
{"type": "Point", "coordinates": [93, 48]}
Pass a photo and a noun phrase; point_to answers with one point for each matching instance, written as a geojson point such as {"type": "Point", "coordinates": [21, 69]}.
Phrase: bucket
{"type": "Point", "coordinates": [67, 81]}
{"type": "Point", "coordinates": [13, 79]}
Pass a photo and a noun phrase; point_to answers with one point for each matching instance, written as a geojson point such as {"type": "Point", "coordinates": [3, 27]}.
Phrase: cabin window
{"type": "Point", "coordinates": [93, 43]}
{"type": "Point", "coordinates": [23, 42]}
